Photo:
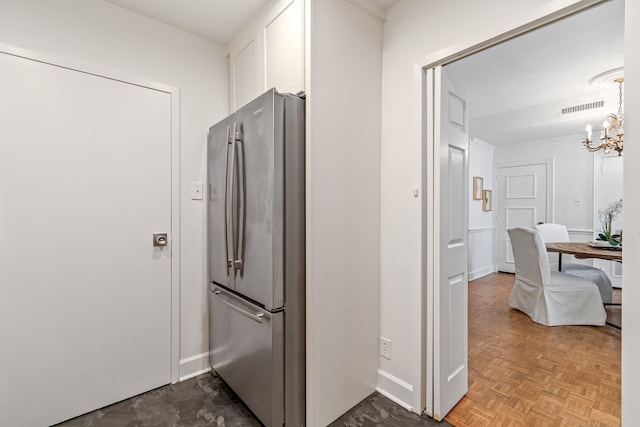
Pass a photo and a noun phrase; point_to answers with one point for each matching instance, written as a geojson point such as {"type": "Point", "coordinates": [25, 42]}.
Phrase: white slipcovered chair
{"type": "Point", "coordinates": [549, 297]}
{"type": "Point", "coordinates": [558, 233]}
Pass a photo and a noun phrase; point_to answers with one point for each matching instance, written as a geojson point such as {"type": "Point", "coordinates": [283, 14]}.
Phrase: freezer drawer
{"type": "Point", "coordinates": [247, 350]}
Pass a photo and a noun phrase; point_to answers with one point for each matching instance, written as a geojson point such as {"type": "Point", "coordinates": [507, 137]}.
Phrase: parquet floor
{"type": "Point", "coordinates": [525, 374]}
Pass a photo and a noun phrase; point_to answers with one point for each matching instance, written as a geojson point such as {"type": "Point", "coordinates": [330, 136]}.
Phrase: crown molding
{"type": "Point", "coordinates": [575, 139]}
{"type": "Point", "coordinates": [372, 8]}
{"type": "Point", "coordinates": [482, 145]}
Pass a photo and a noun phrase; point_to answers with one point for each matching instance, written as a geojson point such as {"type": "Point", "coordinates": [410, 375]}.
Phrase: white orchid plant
{"type": "Point", "coordinates": [607, 215]}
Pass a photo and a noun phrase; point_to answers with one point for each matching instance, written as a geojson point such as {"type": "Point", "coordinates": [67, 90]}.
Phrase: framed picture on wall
{"type": "Point", "coordinates": [486, 200]}
{"type": "Point", "coordinates": [477, 188]}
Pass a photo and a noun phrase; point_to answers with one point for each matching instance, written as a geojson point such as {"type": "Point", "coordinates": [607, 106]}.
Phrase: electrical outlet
{"type": "Point", "coordinates": [385, 348]}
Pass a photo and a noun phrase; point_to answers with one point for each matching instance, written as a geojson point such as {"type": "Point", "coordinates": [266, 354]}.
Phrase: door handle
{"type": "Point", "coordinates": [256, 317]}
{"type": "Point", "coordinates": [160, 239]}
{"type": "Point", "coordinates": [241, 196]}
{"type": "Point", "coordinates": [228, 260]}
{"type": "Point", "coordinates": [233, 198]}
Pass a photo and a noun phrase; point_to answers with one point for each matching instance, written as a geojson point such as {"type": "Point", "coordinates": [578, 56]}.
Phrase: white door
{"type": "Point", "coordinates": [85, 299]}
{"type": "Point", "coordinates": [450, 294]}
{"type": "Point", "coordinates": [522, 201]}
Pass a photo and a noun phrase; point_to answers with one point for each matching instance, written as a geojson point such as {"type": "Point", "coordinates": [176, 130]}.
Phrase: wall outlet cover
{"type": "Point", "coordinates": [385, 348]}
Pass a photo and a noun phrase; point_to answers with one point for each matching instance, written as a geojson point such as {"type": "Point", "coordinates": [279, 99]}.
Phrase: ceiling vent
{"type": "Point", "coordinates": [582, 107]}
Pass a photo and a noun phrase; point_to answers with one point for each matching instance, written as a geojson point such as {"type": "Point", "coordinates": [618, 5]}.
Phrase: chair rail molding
{"type": "Point", "coordinates": [481, 229]}
{"type": "Point", "coordinates": [580, 231]}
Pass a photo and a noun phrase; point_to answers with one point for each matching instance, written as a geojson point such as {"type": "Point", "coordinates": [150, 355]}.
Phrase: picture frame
{"type": "Point", "coordinates": [487, 200]}
{"type": "Point", "coordinates": [477, 187]}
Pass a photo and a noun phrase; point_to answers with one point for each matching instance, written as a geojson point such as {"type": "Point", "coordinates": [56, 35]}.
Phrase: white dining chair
{"type": "Point", "coordinates": [549, 297]}
{"type": "Point", "coordinates": [558, 233]}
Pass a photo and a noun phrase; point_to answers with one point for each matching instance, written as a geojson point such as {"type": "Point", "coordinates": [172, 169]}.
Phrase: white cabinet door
{"type": "Point", "coordinates": [268, 53]}
{"type": "Point", "coordinates": [85, 298]}
{"type": "Point", "coordinates": [284, 50]}
{"type": "Point", "coordinates": [244, 75]}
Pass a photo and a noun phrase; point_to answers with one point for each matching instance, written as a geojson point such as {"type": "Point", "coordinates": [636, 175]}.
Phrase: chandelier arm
{"type": "Point", "coordinates": [613, 133]}
{"type": "Point", "coordinates": [620, 102]}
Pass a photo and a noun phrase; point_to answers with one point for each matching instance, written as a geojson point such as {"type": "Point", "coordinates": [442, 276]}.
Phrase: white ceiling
{"type": "Point", "coordinates": [217, 20]}
{"type": "Point", "coordinates": [514, 91]}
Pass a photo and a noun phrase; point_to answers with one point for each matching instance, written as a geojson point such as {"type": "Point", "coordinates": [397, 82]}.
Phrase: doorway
{"type": "Point", "coordinates": [577, 201]}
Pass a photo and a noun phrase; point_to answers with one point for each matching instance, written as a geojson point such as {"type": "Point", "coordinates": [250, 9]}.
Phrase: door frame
{"type": "Point", "coordinates": [430, 181]}
{"type": "Point", "coordinates": [174, 237]}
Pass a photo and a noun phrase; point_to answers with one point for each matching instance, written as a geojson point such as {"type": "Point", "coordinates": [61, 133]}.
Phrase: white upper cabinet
{"type": "Point", "coordinates": [268, 53]}
{"type": "Point", "coordinates": [244, 72]}
{"type": "Point", "coordinates": [284, 50]}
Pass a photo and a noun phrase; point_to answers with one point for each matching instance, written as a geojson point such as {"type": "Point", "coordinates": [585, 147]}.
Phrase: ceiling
{"type": "Point", "coordinates": [515, 90]}
{"type": "Point", "coordinates": [216, 20]}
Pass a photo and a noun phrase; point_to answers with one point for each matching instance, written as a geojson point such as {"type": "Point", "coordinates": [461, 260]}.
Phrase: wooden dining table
{"type": "Point", "coordinates": [585, 250]}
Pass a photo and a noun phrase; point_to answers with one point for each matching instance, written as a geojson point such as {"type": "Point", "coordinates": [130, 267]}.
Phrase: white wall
{"type": "Point", "coordinates": [573, 178]}
{"type": "Point", "coordinates": [481, 223]}
{"type": "Point", "coordinates": [417, 32]}
{"type": "Point", "coordinates": [105, 35]}
{"type": "Point", "coordinates": [343, 205]}
{"type": "Point", "coordinates": [572, 183]}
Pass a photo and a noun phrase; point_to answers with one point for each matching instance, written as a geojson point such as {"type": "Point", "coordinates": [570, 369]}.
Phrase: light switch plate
{"type": "Point", "coordinates": [196, 190]}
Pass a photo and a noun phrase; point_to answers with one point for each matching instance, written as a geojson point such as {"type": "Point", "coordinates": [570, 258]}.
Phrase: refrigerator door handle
{"type": "Point", "coordinates": [226, 201]}
{"type": "Point", "coordinates": [256, 317]}
{"type": "Point", "coordinates": [241, 195]}
{"type": "Point", "coordinates": [232, 212]}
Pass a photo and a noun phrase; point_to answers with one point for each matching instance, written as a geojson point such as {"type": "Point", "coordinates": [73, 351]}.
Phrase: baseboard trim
{"type": "Point", "coordinates": [395, 389]}
{"type": "Point", "coordinates": [193, 366]}
{"type": "Point", "coordinates": [194, 374]}
{"type": "Point", "coordinates": [473, 275]}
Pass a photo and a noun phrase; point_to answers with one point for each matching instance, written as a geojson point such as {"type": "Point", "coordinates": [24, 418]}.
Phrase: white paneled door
{"type": "Point", "coordinates": [85, 298]}
{"type": "Point", "coordinates": [451, 368]}
{"type": "Point", "coordinates": [524, 199]}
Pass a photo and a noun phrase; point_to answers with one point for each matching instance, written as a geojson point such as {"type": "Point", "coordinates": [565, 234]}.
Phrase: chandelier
{"type": "Point", "coordinates": [612, 136]}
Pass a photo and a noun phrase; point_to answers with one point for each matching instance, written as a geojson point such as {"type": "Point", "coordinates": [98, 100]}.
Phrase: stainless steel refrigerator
{"type": "Point", "coordinates": [256, 250]}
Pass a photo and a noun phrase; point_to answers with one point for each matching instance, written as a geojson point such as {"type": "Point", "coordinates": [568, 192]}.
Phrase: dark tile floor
{"type": "Point", "coordinates": [207, 401]}
{"type": "Point", "coordinates": [376, 410]}
{"type": "Point", "coordinates": [201, 401]}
